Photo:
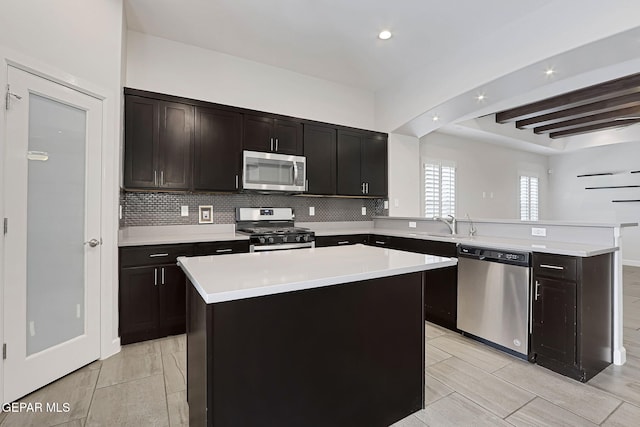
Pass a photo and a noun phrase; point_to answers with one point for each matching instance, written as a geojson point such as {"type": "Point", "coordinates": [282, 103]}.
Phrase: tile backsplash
{"type": "Point", "coordinates": [143, 209]}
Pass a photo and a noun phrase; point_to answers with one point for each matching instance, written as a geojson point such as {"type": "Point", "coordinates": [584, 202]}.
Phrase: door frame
{"type": "Point", "coordinates": [110, 200]}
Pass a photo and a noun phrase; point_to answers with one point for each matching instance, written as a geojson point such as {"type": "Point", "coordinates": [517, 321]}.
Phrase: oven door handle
{"type": "Point", "coordinates": [265, 248]}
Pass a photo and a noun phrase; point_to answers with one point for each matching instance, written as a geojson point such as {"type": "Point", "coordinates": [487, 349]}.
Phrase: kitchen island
{"type": "Point", "coordinates": [314, 337]}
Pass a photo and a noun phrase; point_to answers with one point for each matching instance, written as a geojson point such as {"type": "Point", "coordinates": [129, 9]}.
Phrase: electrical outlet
{"type": "Point", "coordinates": [184, 210]}
{"type": "Point", "coordinates": [396, 202]}
{"type": "Point", "coordinates": [364, 210]}
{"type": "Point", "coordinates": [538, 231]}
{"type": "Point", "coordinates": [312, 210]}
{"type": "Point", "coordinates": [386, 204]}
{"type": "Point", "coordinates": [412, 224]}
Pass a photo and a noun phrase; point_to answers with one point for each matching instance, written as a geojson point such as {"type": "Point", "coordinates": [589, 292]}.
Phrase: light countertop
{"type": "Point", "coordinates": [158, 235]}
{"type": "Point", "coordinates": [247, 275]}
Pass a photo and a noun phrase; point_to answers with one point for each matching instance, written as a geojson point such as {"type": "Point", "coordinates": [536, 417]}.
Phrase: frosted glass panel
{"type": "Point", "coordinates": [55, 223]}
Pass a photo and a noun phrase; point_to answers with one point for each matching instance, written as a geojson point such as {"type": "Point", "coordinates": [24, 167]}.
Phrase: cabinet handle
{"type": "Point", "coordinates": [362, 188]}
{"type": "Point", "coordinates": [163, 275]}
{"type": "Point", "coordinates": [306, 185]}
{"type": "Point", "coordinates": [157, 255]}
{"type": "Point", "coordinates": [531, 315]}
{"type": "Point", "coordinates": [155, 178]}
{"type": "Point", "coordinates": [344, 242]}
{"type": "Point", "coordinates": [367, 188]}
{"type": "Point", "coordinates": [222, 251]}
{"type": "Point", "coordinates": [378, 242]}
{"type": "Point", "coordinates": [236, 182]}
{"type": "Point", "coordinates": [553, 267]}
{"type": "Point", "coordinates": [537, 295]}
{"type": "Point", "coordinates": [161, 178]}
{"type": "Point", "coordinates": [276, 144]}
{"type": "Point", "coordinates": [271, 144]}
{"type": "Point", "coordinates": [155, 277]}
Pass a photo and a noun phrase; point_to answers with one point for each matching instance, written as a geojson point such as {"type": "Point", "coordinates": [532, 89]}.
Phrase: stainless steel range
{"type": "Point", "coordinates": [272, 229]}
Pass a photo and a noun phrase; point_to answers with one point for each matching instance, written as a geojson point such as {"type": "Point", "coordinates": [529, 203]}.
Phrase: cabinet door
{"type": "Point", "coordinates": [176, 145]}
{"type": "Point", "coordinates": [138, 304]}
{"type": "Point", "coordinates": [374, 165]}
{"type": "Point", "coordinates": [288, 137]}
{"type": "Point", "coordinates": [441, 296]}
{"type": "Point", "coordinates": [320, 151]}
{"type": "Point", "coordinates": [218, 150]}
{"type": "Point", "coordinates": [140, 142]}
{"type": "Point", "coordinates": [172, 300]}
{"type": "Point", "coordinates": [554, 320]}
{"type": "Point", "coordinates": [348, 164]}
{"type": "Point", "coordinates": [258, 133]}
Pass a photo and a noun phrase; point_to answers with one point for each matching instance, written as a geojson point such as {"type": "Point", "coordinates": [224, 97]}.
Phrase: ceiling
{"type": "Point", "coordinates": [612, 104]}
{"type": "Point", "coordinates": [335, 40]}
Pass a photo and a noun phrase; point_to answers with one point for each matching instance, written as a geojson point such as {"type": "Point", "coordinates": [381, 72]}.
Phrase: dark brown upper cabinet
{"type": "Point", "coordinates": [267, 134]}
{"type": "Point", "coordinates": [320, 152]}
{"type": "Point", "coordinates": [361, 164]}
{"type": "Point", "coordinates": [158, 144]}
{"type": "Point", "coordinates": [217, 150]}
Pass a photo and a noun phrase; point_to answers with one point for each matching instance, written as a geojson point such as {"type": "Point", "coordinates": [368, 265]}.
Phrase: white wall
{"type": "Point", "coordinates": [489, 169]}
{"type": "Point", "coordinates": [165, 66]}
{"type": "Point", "coordinates": [404, 175]}
{"type": "Point", "coordinates": [78, 42]}
{"type": "Point", "coordinates": [569, 199]}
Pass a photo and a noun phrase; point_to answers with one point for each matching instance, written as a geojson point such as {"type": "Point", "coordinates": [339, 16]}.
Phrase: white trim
{"type": "Point", "coordinates": [631, 262]}
{"type": "Point", "coordinates": [619, 352]}
{"type": "Point", "coordinates": [111, 133]}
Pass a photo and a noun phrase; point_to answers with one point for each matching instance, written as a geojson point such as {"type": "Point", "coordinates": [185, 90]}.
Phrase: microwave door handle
{"type": "Point", "coordinates": [295, 172]}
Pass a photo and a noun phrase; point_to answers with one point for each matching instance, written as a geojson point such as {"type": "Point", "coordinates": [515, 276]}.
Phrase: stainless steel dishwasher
{"type": "Point", "coordinates": [493, 296]}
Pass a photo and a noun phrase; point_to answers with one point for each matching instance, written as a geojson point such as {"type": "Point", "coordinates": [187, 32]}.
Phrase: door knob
{"type": "Point", "coordinates": [93, 242]}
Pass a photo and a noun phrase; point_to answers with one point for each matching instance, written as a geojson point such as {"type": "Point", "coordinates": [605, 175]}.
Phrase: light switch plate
{"type": "Point", "coordinates": [364, 210]}
{"type": "Point", "coordinates": [184, 210]}
{"type": "Point", "coordinates": [538, 231]}
{"type": "Point", "coordinates": [412, 224]}
{"type": "Point", "coordinates": [312, 210]}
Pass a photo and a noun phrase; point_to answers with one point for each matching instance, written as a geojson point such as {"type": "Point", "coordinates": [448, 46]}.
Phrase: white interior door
{"type": "Point", "coordinates": [52, 244]}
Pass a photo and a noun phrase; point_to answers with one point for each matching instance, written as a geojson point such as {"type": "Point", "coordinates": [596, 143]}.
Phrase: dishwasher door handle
{"type": "Point", "coordinates": [537, 294]}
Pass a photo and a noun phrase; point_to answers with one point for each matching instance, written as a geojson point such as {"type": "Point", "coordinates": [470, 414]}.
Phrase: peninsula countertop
{"type": "Point", "coordinates": [247, 275]}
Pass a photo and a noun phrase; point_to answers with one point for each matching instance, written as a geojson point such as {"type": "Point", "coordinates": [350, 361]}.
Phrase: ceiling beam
{"type": "Point", "coordinates": [599, 92]}
{"type": "Point", "coordinates": [593, 128]}
{"type": "Point", "coordinates": [620, 102]}
{"type": "Point", "coordinates": [631, 112]}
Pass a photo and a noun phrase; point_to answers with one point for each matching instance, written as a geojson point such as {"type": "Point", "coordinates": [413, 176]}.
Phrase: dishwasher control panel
{"type": "Point", "coordinates": [495, 255]}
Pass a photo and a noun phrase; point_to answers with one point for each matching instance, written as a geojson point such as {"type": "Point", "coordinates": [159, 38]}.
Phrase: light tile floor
{"type": "Point", "coordinates": [467, 384]}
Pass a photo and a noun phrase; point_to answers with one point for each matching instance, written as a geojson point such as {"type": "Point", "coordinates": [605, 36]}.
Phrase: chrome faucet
{"type": "Point", "coordinates": [472, 227]}
{"type": "Point", "coordinates": [450, 221]}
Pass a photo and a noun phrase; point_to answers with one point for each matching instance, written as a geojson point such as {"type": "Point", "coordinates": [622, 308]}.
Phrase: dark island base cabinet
{"type": "Point", "coordinates": [340, 240]}
{"type": "Point", "coordinates": [152, 288]}
{"type": "Point", "coordinates": [343, 355]}
{"type": "Point", "coordinates": [571, 314]}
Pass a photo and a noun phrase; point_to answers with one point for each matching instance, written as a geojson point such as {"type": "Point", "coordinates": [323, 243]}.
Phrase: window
{"type": "Point", "coordinates": [528, 198]}
{"type": "Point", "coordinates": [439, 189]}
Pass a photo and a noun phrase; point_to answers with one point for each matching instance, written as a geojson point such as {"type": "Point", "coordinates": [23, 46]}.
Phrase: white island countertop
{"type": "Point", "coordinates": [247, 275]}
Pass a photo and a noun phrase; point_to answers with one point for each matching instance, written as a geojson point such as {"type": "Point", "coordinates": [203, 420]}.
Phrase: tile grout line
{"type": "Point", "coordinates": [93, 394]}
{"type": "Point", "coordinates": [612, 412]}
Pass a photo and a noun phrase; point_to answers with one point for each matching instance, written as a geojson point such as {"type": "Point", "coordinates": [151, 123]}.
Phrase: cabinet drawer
{"type": "Point", "coordinates": [347, 239]}
{"type": "Point", "coordinates": [153, 255]}
{"type": "Point", "coordinates": [556, 266]}
{"type": "Point", "coordinates": [222, 248]}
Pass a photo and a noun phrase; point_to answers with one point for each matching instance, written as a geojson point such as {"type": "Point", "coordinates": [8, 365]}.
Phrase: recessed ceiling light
{"type": "Point", "coordinates": [435, 118]}
{"type": "Point", "coordinates": [384, 35]}
{"type": "Point", "coordinates": [481, 97]}
{"type": "Point", "coordinates": [549, 72]}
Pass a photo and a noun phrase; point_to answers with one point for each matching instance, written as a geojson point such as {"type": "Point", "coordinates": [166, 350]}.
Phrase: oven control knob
{"type": "Point", "coordinates": [261, 239]}
{"type": "Point", "coordinates": [298, 238]}
{"type": "Point", "coordinates": [271, 240]}
{"type": "Point", "coordinates": [305, 238]}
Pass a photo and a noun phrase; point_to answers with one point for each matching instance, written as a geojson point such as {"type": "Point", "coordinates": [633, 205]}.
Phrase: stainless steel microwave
{"type": "Point", "coordinates": [273, 172]}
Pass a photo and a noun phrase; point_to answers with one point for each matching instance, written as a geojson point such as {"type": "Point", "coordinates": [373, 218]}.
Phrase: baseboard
{"type": "Point", "coordinates": [631, 262]}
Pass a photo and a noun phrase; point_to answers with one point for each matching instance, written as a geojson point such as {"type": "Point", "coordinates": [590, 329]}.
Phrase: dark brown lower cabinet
{"type": "Point", "coordinates": [340, 240]}
{"type": "Point", "coordinates": [441, 285]}
{"type": "Point", "coordinates": [152, 287]}
{"type": "Point", "coordinates": [571, 314]}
